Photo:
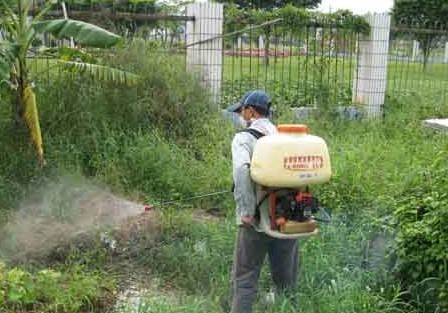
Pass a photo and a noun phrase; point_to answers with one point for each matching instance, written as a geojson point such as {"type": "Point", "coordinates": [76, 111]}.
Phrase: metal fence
{"type": "Point", "coordinates": [317, 64]}
{"type": "Point", "coordinates": [312, 66]}
{"type": "Point", "coordinates": [418, 61]}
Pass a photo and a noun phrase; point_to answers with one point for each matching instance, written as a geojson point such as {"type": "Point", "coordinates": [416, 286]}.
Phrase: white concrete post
{"type": "Point", "coordinates": [239, 44]}
{"type": "Point", "coordinates": [261, 43]}
{"type": "Point", "coordinates": [415, 50]}
{"type": "Point", "coordinates": [369, 85]}
{"type": "Point", "coordinates": [204, 44]}
{"type": "Point", "coordinates": [446, 53]}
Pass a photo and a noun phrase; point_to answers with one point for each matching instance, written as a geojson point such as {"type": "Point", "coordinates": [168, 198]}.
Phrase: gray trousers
{"type": "Point", "coordinates": [248, 257]}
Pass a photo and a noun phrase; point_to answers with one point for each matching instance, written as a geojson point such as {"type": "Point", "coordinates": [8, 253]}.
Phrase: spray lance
{"type": "Point", "coordinates": [325, 216]}
{"type": "Point", "coordinates": [150, 207]}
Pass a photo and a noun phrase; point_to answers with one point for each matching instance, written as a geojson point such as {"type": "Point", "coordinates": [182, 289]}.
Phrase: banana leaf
{"type": "Point", "coordinates": [83, 33]}
{"type": "Point", "coordinates": [7, 56]}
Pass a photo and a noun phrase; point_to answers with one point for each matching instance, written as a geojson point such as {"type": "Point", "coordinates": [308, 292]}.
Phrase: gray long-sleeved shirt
{"type": "Point", "coordinates": [247, 194]}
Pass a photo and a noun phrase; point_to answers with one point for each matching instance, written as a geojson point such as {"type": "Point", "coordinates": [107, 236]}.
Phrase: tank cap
{"type": "Point", "coordinates": [292, 128]}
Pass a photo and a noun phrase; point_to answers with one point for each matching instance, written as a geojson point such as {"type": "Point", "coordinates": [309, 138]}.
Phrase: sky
{"type": "Point", "coordinates": [357, 6]}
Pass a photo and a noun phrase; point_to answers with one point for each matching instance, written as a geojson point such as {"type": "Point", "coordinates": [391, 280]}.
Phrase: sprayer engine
{"type": "Point", "coordinates": [291, 211]}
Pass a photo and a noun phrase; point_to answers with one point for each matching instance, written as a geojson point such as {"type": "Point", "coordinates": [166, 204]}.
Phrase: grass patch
{"type": "Point", "coordinates": [163, 141]}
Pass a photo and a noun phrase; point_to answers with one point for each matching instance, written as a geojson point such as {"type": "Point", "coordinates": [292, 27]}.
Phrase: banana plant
{"type": "Point", "coordinates": [19, 30]}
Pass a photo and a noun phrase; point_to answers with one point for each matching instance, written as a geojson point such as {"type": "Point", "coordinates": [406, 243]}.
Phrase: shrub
{"type": "Point", "coordinates": [422, 223]}
{"type": "Point", "coordinates": [50, 291]}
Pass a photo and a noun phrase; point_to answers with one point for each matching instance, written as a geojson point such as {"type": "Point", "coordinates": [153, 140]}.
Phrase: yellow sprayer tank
{"type": "Point", "coordinates": [291, 158]}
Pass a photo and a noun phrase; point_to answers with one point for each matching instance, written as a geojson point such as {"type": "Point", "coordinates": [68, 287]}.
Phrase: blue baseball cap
{"type": "Point", "coordinates": [255, 98]}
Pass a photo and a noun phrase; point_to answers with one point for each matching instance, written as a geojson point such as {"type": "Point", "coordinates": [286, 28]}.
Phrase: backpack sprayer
{"type": "Point", "coordinates": [286, 164]}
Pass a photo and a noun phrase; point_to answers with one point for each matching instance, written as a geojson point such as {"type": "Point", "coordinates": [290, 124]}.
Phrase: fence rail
{"type": "Point", "coordinates": [117, 16]}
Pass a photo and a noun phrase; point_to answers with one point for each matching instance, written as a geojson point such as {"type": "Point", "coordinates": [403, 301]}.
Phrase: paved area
{"type": "Point", "coordinates": [437, 123]}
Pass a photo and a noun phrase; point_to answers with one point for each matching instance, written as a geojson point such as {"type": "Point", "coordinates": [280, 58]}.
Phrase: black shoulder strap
{"type": "Point", "coordinates": [257, 134]}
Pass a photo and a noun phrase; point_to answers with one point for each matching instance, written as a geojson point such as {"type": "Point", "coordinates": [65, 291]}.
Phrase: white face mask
{"type": "Point", "coordinates": [243, 122]}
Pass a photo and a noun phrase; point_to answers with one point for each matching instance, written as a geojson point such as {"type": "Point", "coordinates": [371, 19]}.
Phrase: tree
{"type": "Point", "coordinates": [16, 44]}
{"type": "Point", "coordinates": [423, 19]}
{"type": "Point", "coordinates": [272, 4]}
{"type": "Point", "coordinates": [132, 17]}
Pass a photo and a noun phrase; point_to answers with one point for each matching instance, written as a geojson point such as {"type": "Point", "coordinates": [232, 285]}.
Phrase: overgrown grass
{"type": "Point", "coordinates": [196, 258]}
{"type": "Point", "coordinates": [162, 140]}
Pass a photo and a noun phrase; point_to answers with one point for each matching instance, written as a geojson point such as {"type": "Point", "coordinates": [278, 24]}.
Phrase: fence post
{"type": "Point", "coordinates": [415, 50]}
{"type": "Point", "coordinates": [446, 53]}
{"type": "Point", "coordinates": [260, 43]}
{"type": "Point", "coordinates": [204, 45]}
{"type": "Point", "coordinates": [369, 84]}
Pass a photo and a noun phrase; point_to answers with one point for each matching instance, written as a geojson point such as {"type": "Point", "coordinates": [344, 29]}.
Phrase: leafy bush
{"type": "Point", "coordinates": [152, 165]}
{"type": "Point", "coordinates": [422, 224]}
{"type": "Point", "coordinates": [51, 291]}
{"type": "Point", "coordinates": [138, 138]}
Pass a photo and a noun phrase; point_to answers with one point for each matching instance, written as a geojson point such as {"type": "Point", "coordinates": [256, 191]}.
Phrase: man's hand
{"type": "Point", "coordinates": [248, 220]}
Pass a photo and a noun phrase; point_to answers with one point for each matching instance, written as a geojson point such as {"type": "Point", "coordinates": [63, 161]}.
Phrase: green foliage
{"type": "Point", "coordinates": [293, 19]}
{"type": "Point", "coordinates": [151, 165]}
{"type": "Point", "coordinates": [142, 139]}
{"type": "Point", "coordinates": [423, 19]}
{"type": "Point", "coordinates": [14, 49]}
{"type": "Point", "coordinates": [163, 140]}
{"type": "Point", "coordinates": [193, 250]}
{"type": "Point", "coordinates": [138, 6]}
{"type": "Point", "coordinates": [197, 257]}
{"type": "Point", "coordinates": [50, 291]}
{"type": "Point", "coordinates": [346, 20]}
{"type": "Point", "coordinates": [422, 223]}
{"type": "Point", "coordinates": [139, 139]}
{"type": "Point", "coordinates": [424, 12]}
{"type": "Point", "coordinates": [273, 4]}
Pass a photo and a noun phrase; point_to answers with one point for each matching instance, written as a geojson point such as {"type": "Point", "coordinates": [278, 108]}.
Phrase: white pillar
{"type": "Point", "coordinates": [261, 43]}
{"type": "Point", "coordinates": [204, 44]}
{"type": "Point", "coordinates": [239, 43]}
{"type": "Point", "coordinates": [369, 84]}
{"type": "Point", "coordinates": [415, 50]}
{"type": "Point", "coordinates": [446, 53]}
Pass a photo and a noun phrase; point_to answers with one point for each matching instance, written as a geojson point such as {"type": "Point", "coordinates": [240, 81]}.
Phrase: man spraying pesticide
{"type": "Point", "coordinates": [272, 170]}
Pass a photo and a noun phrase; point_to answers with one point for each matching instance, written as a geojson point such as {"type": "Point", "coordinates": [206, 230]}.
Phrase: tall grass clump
{"type": "Point", "coordinates": [19, 170]}
{"type": "Point", "coordinates": [193, 251]}
{"type": "Point", "coordinates": [161, 138]}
